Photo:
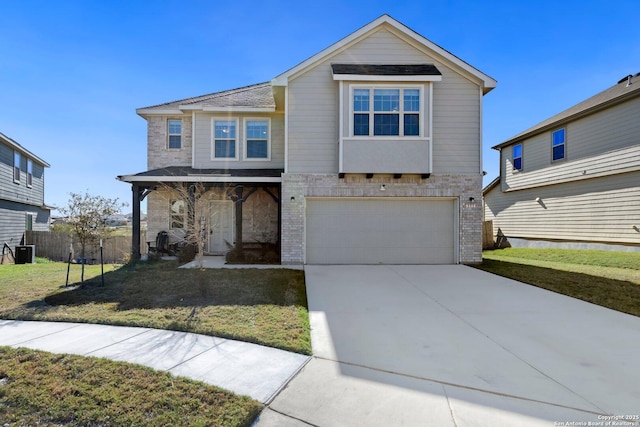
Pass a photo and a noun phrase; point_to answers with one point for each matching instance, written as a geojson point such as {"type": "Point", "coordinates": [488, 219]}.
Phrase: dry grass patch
{"type": "Point", "coordinates": [267, 307]}
{"type": "Point", "coordinates": [609, 279]}
{"type": "Point", "coordinates": [38, 388]}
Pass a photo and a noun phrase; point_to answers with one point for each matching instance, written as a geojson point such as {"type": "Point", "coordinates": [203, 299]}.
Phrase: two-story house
{"type": "Point", "coordinates": [22, 204]}
{"type": "Point", "coordinates": [367, 152]}
{"type": "Point", "coordinates": [573, 180]}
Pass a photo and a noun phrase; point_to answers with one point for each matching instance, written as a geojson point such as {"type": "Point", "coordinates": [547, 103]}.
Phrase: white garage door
{"type": "Point", "coordinates": [380, 231]}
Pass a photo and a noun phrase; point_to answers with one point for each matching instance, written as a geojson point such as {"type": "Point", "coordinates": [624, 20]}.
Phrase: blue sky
{"type": "Point", "coordinates": [72, 73]}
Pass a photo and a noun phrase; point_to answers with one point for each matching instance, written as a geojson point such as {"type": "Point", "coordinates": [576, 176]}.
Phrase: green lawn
{"type": "Point", "coordinates": [267, 307]}
{"type": "Point", "coordinates": [44, 389]}
{"type": "Point", "coordinates": [610, 279]}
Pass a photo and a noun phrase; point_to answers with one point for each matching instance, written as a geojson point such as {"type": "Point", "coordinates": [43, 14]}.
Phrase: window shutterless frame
{"type": "Point", "coordinates": [558, 144]}
{"type": "Point", "coordinates": [29, 173]}
{"type": "Point", "coordinates": [177, 214]}
{"type": "Point", "coordinates": [517, 157]}
{"type": "Point", "coordinates": [174, 134]}
{"type": "Point", "coordinates": [386, 110]}
{"type": "Point", "coordinates": [257, 139]}
{"type": "Point", "coordinates": [17, 159]}
{"type": "Point", "coordinates": [224, 139]}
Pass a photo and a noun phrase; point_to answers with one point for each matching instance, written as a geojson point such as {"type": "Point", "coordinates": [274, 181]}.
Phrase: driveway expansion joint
{"type": "Point", "coordinates": [465, 387]}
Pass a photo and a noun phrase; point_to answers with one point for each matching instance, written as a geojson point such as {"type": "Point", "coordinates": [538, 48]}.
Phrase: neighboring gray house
{"type": "Point", "coordinates": [22, 204]}
{"type": "Point", "coordinates": [368, 152]}
{"type": "Point", "coordinates": [574, 179]}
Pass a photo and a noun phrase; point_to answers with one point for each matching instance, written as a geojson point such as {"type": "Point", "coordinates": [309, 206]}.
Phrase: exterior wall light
{"type": "Point", "coordinates": [383, 187]}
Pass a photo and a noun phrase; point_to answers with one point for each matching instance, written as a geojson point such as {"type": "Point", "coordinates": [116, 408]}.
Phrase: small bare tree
{"type": "Point", "coordinates": [87, 216]}
{"type": "Point", "coordinates": [200, 218]}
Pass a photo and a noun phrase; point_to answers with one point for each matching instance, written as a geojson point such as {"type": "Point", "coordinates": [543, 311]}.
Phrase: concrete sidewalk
{"type": "Point", "coordinates": [243, 368]}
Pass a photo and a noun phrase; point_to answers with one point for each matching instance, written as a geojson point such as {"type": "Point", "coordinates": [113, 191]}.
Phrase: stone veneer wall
{"type": "Point", "coordinates": [158, 155]}
{"type": "Point", "coordinates": [259, 216]}
{"type": "Point", "coordinates": [300, 186]}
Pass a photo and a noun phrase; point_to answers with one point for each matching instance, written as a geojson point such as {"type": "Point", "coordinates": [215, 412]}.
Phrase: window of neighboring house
{"type": "Point", "coordinates": [16, 166]}
{"type": "Point", "coordinates": [557, 144]}
{"type": "Point", "coordinates": [28, 226]}
{"type": "Point", "coordinates": [224, 139]}
{"type": "Point", "coordinates": [517, 157]}
{"type": "Point", "coordinates": [257, 139]}
{"type": "Point", "coordinates": [178, 214]}
{"type": "Point", "coordinates": [396, 112]}
{"type": "Point", "coordinates": [29, 173]}
{"type": "Point", "coordinates": [175, 133]}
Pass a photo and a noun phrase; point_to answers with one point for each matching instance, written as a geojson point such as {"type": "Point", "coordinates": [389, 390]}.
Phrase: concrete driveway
{"type": "Point", "coordinates": [455, 346]}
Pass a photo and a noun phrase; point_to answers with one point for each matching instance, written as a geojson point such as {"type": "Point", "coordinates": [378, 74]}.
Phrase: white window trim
{"type": "Point", "coordinates": [213, 139]}
{"type": "Point", "coordinates": [564, 144]}
{"type": "Point", "coordinates": [513, 158]}
{"type": "Point", "coordinates": [171, 134]}
{"type": "Point", "coordinates": [172, 215]}
{"type": "Point", "coordinates": [246, 139]}
{"type": "Point", "coordinates": [19, 166]}
{"type": "Point", "coordinates": [29, 173]}
{"type": "Point", "coordinates": [371, 112]}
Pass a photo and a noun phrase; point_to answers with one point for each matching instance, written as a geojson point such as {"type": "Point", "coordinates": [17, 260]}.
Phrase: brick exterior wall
{"type": "Point", "coordinates": [158, 155]}
{"type": "Point", "coordinates": [295, 187]}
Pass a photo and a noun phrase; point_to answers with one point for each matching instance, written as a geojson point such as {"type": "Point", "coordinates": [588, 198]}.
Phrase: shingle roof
{"type": "Point", "coordinates": [386, 70]}
{"type": "Point", "coordinates": [615, 94]}
{"type": "Point", "coordinates": [189, 171]}
{"type": "Point", "coordinates": [254, 96]}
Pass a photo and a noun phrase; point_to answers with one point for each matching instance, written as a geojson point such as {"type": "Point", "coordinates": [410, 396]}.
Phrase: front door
{"type": "Point", "coordinates": [220, 226]}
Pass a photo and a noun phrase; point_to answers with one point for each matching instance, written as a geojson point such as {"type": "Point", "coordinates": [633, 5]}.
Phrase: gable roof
{"type": "Point", "coordinates": [445, 56]}
{"type": "Point", "coordinates": [616, 94]}
{"type": "Point", "coordinates": [257, 97]}
{"type": "Point", "coordinates": [19, 148]}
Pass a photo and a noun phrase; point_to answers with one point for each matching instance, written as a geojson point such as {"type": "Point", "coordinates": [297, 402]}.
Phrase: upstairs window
{"type": "Point", "coordinates": [16, 167]}
{"type": "Point", "coordinates": [557, 144]}
{"type": "Point", "coordinates": [517, 157]}
{"type": "Point", "coordinates": [29, 173]}
{"type": "Point", "coordinates": [396, 111]}
{"type": "Point", "coordinates": [178, 215]}
{"type": "Point", "coordinates": [257, 139]}
{"type": "Point", "coordinates": [224, 139]}
{"type": "Point", "coordinates": [175, 134]}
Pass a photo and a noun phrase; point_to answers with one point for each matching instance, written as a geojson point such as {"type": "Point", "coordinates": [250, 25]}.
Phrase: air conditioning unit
{"type": "Point", "coordinates": [25, 254]}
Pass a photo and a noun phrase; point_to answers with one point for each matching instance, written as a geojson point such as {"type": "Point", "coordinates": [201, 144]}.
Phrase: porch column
{"type": "Point", "coordinates": [238, 202]}
{"type": "Point", "coordinates": [135, 238]}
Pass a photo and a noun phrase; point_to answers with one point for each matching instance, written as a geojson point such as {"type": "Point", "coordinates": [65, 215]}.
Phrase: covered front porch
{"type": "Point", "coordinates": [216, 210]}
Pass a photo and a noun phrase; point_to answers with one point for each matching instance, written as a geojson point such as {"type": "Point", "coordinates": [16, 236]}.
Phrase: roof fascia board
{"type": "Point", "coordinates": [198, 178]}
{"type": "Point", "coordinates": [240, 109]}
{"type": "Point", "coordinates": [568, 119]}
{"type": "Point", "coordinates": [23, 151]}
{"type": "Point", "coordinates": [379, 78]}
{"type": "Point", "coordinates": [158, 111]}
{"type": "Point", "coordinates": [447, 57]}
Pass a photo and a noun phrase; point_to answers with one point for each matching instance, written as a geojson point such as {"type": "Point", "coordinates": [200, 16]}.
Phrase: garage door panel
{"type": "Point", "coordinates": [373, 231]}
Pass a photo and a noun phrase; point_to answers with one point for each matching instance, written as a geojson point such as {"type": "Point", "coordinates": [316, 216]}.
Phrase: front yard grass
{"type": "Point", "coordinates": [609, 279]}
{"type": "Point", "coordinates": [38, 388]}
{"type": "Point", "coordinates": [267, 307]}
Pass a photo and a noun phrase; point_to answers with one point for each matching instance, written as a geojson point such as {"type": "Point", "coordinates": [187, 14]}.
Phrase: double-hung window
{"type": "Point", "coordinates": [224, 139]}
{"type": "Point", "coordinates": [29, 173]}
{"type": "Point", "coordinates": [257, 139]}
{"type": "Point", "coordinates": [16, 166]}
{"type": "Point", "coordinates": [517, 157]}
{"type": "Point", "coordinates": [175, 134]}
{"type": "Point", "coordinates": [557, 144]}
{"type": "Point", "coordinates": [386, 111]}
{"type": "Point", "coordinates": [178, 214]}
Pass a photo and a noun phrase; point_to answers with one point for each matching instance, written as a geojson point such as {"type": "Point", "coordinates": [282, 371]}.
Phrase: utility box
{"type": "Point", "coordinates": [25, 254]}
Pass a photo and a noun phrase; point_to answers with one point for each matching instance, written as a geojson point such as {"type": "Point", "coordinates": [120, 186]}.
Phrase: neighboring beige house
{"type": "Point", "coordinates": [368, 152]}
{"type": "Point", "coordinates": [574, 179]}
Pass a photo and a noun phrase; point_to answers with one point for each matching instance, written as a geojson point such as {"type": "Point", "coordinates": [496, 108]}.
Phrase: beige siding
{"type": "Point", "coordinates": [203, 142]}
{"type": "Point", "coordinates": [313, 108]}
{"type": "Point", "coordinates": [596, 210]}
{"type": "Point", "coordinates": [601, 144]}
